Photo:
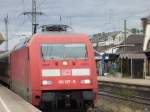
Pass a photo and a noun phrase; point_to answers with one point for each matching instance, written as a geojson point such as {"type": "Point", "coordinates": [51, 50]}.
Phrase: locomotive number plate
{"type": "Point", "coordinates": [67, 81]}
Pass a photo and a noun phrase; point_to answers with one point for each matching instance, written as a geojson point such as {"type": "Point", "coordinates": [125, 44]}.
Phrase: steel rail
{"type": "Point", "coordinates": [131, 98]}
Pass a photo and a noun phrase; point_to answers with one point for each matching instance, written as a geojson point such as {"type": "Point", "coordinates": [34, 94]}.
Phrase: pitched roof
{"type": "Point", "coordinates": [135, 39]}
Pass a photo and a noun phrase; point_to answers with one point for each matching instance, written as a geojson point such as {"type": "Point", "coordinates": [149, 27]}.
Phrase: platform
{"type": "Point", "coordinates": [10, 102]}
{"type": "Point", "coordinates": [140, 82]}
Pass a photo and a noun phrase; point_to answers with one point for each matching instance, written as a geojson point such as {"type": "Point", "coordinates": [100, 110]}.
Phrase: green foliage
{"type": "Point", "coordinates": [136, 31]}
{"type": "Point", "coordinates": [127, 93]}
{"type": "Point", "coordinates": [124, 67]}
{"type": "Point", "coordinates": [112, 72]}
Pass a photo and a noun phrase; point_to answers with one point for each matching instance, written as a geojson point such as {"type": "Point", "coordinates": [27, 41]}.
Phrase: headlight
{"type": "Point", "coordinates": [50, 72]}
{"type": "Point", "coordinates": [65, 63]}
{"type": "Point", "coordinates": [47, 82]}
{"type": "Point", "coordinates": [81, 72]}
{"type": "Point", "coordinates": [86, 81]}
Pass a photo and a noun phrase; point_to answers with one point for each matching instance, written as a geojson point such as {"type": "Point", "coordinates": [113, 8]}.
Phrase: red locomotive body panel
{"type": "Point", "coordinates": [34, 71]}
{"type": "Point", "coordinates": [19, 72]}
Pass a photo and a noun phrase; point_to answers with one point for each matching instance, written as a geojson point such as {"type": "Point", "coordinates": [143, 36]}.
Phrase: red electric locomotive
{"type": "Point", "coordinates": [55, 70]}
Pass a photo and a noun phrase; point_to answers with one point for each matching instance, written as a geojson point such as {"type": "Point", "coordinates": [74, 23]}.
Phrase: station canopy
{"type": "Point", "coordinates": [133, 56]}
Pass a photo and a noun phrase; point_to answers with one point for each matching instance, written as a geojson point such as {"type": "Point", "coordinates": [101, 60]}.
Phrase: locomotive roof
{"type": "Point", "coordinates": [59, 33]}
{"type": "Point", "coordinates": [51, 34]}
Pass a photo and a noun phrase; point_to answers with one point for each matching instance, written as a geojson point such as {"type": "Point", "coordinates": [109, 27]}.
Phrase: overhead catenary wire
{"type": "Point", "coordinates": [115, 20]}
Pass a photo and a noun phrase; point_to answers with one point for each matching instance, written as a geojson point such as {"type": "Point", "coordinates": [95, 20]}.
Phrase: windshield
{"type": "Point", "coordinates": [63, 51]}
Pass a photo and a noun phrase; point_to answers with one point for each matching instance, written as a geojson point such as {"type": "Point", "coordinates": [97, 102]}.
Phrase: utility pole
{"type": "Point", "coordinates": [34, 22]}
{"type": "Point", "coordinates": [125, 34]}
{"type": "Point", "coordinates": [6, 31]}
{"type": "Point", "coordinates": [34, 14]}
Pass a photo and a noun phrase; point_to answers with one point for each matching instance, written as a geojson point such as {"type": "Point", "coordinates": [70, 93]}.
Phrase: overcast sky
{"type": "Point", "coordinates": [89, 16]}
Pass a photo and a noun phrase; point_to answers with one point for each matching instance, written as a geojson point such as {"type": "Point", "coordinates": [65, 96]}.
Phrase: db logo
{"type": "Point", "coordinates": [66, 72]}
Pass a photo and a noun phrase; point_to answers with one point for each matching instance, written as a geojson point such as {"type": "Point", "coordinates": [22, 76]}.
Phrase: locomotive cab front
{"type": "Point", "coordinates": [65, 72]}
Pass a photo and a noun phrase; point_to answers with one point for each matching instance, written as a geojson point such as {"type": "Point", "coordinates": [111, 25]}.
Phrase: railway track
{"type": "Point", "coordinates": [126, 92]}
{"type": "Point", "coordinates": [70, 110]}
{"type": "Point", "coordinates": [131, 99]}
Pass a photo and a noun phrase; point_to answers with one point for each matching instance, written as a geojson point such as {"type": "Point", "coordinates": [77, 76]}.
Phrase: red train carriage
{"type": "Point", "coordinates": [55, 70]}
